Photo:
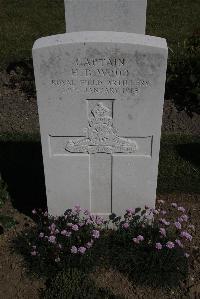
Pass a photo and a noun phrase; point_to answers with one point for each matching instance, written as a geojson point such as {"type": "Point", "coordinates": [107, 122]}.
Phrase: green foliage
{"type": "Point", "coordinates": [183, 76]}
{"type": "Point", "coordinates": [74, 284]}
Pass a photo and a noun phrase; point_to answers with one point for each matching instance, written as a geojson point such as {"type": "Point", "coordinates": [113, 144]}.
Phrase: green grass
{"type": "Point", "coordinates": [23, 21]}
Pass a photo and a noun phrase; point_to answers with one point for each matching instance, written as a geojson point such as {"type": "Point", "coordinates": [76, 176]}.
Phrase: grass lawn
{"type": "Point", "coordinates": [22, 22]}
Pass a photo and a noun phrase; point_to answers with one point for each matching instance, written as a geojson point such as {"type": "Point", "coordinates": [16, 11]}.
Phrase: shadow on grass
{"type": "Point", "coordinates": [191, 153]}
{"type": "Point", "coordinates": [21, 167]}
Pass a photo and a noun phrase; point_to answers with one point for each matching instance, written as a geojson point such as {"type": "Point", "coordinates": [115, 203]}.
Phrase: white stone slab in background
{"type": "Point", "coordinates": [100, 99]}
{"type": "Point", "coordinates": [106, 15]}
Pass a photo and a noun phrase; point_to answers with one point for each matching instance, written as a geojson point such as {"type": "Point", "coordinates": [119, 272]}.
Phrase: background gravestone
{"type": "Point", "coordinates": [106, 15]}
{"type": "Point", "coordinates": [100, 99]}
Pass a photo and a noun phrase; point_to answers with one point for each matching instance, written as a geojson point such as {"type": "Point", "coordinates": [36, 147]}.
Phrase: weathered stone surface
{"type": "Point", "coordinates": [100, 99]}
{"type": "Point", "coordinates": [106, 15]}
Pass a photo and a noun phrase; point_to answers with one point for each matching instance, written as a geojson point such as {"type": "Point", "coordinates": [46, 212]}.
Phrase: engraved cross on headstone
{"type": "Point", "coordinates": [101, 142]}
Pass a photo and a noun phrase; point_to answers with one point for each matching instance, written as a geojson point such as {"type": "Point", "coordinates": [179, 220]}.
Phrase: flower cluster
{"type": "Point", "coordinates": [76, 232]}
{"type": "Point", "coordinates": [73, 233]}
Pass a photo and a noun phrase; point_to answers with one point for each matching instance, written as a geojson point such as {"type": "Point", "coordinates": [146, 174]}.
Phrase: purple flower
{"type": "Point", "coordinates": [140, 238]}
{"type": "Point", "coordinates": [82, 250]}
{"type": "Point", "coordinates": [74, 249]}
{"type": "Point", "coordinates": [89, 221]}
{"type": "Point", "coordinates": [52, 239]}
{"type": "Point", "coordinates": [53, 226]}
{"type": "Point", "coordinates": [34, 211]}
{"type": "Point", "coordinates": [185, 217]}
{"type": "Point", "coordinates": [68, 234]}
{"type": "Point", "coordinates": [63, 232]}
{"type": "Point", "coordinates": [158, 246]}
{"type": "Point", "coordinates": [57, 260]}
{"type": "Point", "coordinates": [76, 209]}
{"type": "Point", "coordinates": [162, 231]}
{"type": "Point", "coordinates": [174, 205]}
{"type": "Point", "coordinates": [162, 220]}
{"type": "Point", "coordinates": [155, 212]}
{"type": "Point", "coordinates": [33, 253]}
{"type": "Point", "coordinates": [181, 209]}
{"type": "Point", "coordinates": [186, 235]}
{"type": "Point", "coordinates": [180, 219]}
{"type": "Point", "coordinates": [178, 225]}
{"type": "Point", "coordinates": [186, 255]}
{"type": "Point", "coordinates": [170, 245]}
{"type": "Point", "coordinates": [130, 211]}
{"type": "Point", "coordinates": [95, 234]}
{"type": "Point", "coordinates": [89, 244]}
{"type": "Point", "coordinates": [41, 235]}
{"type": "Point", "coordinates": [45, 214]}
{"type": "Point", "coordinates": [75, 227]}
{"type": "Point", "coordinates": [178, 242]}
{"type": "Point", "coordinates": [135, 240]}
{"type": "Point", "coordinates": [125, 225]}
{"type": "Point", "coordinates": [57, 231]}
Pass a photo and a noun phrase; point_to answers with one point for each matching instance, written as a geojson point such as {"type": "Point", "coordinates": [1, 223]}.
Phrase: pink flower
{"type": "Point", "coordinates": [89, 221]}
{"type": "Point", "coordinates": [82, 250]}
{"type": "Point", "coordinates": [135, 240]}
{"type": "Point", "coordinates": [178, 242]}
{"type": "Point", "coordinates": [174, 205]}
{"type": "Point", "coordinates": [186, 235]}
{"type": "Point", "coordinates": [158, 246]}
{"type": "Point", "coordinates": [89, 244]}
{"type": "Point", "coordinates": [130, 211]}
{"type": "Point", "coordinates": [45, 214]}
{"type": "Point", "coordinates": [33, 253]}
{"type": "Point", "coordinates": [34, 211]}
{"type": "Point", "coordinates": [178, 225]}
{"type": "Point", "coordinates": [53, 226]}
{"type": "Point", "coordinates": [41, 235]}
{"type": "Point", "coordinates": [57, 231]}
{"type": "Point", "coordinates": [162, 220]}
{"type": "Point", "coordinates": [74, 249]}
{"type": "Point", "coordinates": [140, 238]}
{"type": "Point", "coordinates": [181, 209]}
{"type": "Point", "coordinates": [52, 239]}
{"type": "Point", "coordinates": [95, 234]}
{"type": "Point", "coordinates": [75, 227]}
{"type": "Point", "coordinates": [68, 234]}
{"type": "Point", "coordinates": [57, 260]}
{"type": "Point", "coordinates": [185, 217]}
{"type": "Point", "coordinates": [125, 225]}
{"type": "Point", "coordinates": [63, 232]}
{"type": "Point", "coordinates": [162, 231]}
{"type": "Point", "coordinates": [170, 245]}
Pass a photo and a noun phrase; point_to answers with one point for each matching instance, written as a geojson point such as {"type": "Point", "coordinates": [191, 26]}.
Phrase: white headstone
{"type": "Point", "coordinates": [106, 15]}
{"type": "Point", "coordinates": [100, 99]}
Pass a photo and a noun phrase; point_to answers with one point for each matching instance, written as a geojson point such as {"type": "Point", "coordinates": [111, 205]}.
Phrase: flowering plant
{"type": "Point", "coordinates": [74, 233]}
{"type": "Point", "coordinates": [154, 241]}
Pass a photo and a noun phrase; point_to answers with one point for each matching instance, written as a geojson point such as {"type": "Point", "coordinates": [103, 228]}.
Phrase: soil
{"type": "Point", "coordinates": [19, 115]}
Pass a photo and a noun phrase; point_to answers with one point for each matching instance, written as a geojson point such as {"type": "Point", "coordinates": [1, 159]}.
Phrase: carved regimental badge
{"type": "Point", "coordinates": [101, 136]}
